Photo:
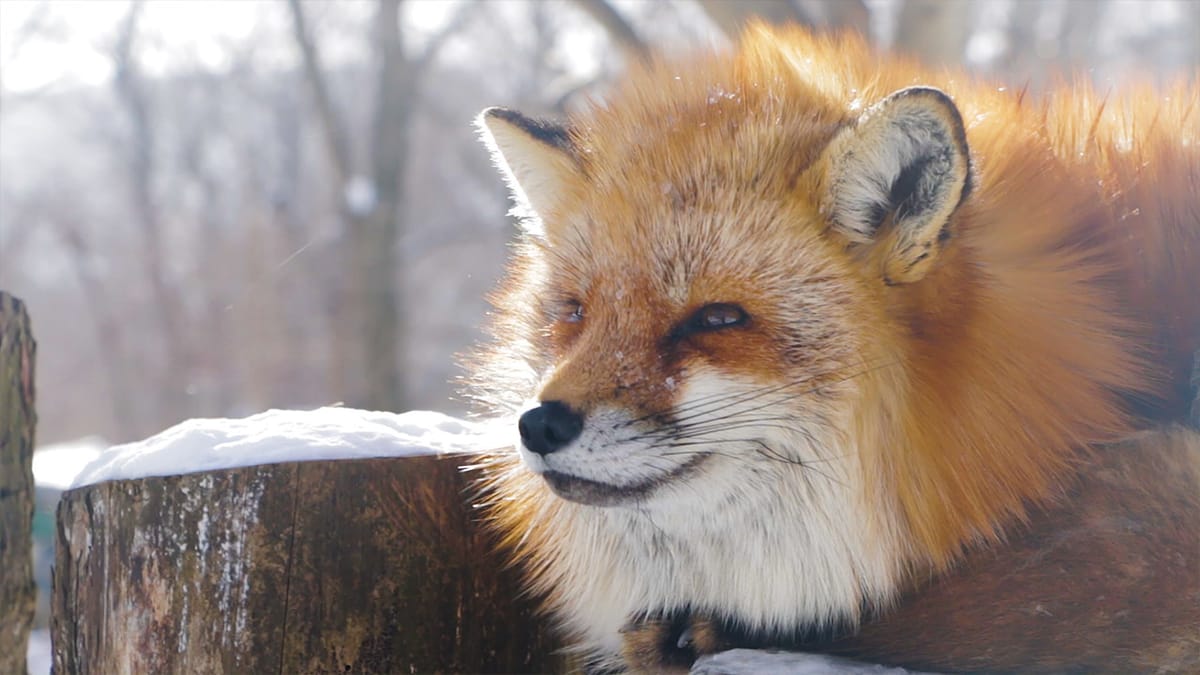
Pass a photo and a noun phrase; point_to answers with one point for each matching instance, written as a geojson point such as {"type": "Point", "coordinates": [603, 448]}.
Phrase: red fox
{"type": "Point", "coordinates": [814, 348]}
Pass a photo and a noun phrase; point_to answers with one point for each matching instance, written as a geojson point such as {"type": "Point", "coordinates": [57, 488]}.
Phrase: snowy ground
{"type": "Point", "coordinates": [56, 466]}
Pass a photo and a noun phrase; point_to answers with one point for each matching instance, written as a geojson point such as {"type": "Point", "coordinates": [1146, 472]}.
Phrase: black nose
{"type": "Point", "coordinates": [549, 427]}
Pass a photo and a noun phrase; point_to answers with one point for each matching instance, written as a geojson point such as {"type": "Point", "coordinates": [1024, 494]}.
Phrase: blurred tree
{"type": "Point", "coordinates": [619, 30]}
{"type": "Point", "coordinates": [935, 31]}
{"type": "Point", "coordinates": [100, 309]}
{"type": "Point", "coordinates": [371, 204]}
{"type": "Point", "coordinates": [17, 422]}
{"type": "Point", "coordinates": [231, 240]}
{"type": "Point", "coordinates": [842, 14]}
{"type": "Point", "coordinates": [141, 162]}
{"type": "Point", "coordinates": [731, 17]}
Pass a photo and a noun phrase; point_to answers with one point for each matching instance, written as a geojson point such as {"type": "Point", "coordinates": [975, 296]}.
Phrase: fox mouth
{"type": "Point", "coordinates": [595, 493]}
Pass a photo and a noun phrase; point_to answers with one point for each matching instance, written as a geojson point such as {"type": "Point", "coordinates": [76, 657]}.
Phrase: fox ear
{"type": "Point", "coordinates": [894, 179]}
{"type": "Point", "coordinates": [536, 157]}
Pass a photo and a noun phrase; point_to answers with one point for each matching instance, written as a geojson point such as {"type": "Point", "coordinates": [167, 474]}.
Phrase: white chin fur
{"type": "Point", "coordinates": [774, 528]}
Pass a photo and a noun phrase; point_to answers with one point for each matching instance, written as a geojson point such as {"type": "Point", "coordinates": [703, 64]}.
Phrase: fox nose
{"type": "Point", "coordinates": [549, 427]}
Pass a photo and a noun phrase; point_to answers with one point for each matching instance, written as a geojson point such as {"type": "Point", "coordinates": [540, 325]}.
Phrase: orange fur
{"type": "Point", "coordinates": [1059, 316]}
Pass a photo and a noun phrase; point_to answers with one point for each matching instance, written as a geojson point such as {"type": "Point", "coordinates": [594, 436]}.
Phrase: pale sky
{"type": "Point", "coordinates": [63, 42]}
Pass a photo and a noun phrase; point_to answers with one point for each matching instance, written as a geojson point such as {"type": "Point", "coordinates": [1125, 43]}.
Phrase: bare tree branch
{"type": "Point", "coordinates": [462, 16]}
{"type": "Point", "coordinates": [331, 126]}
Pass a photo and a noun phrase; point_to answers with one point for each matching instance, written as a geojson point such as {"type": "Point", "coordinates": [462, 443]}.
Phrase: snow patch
{"type": "Point", "coordinates": [38, 654]}
{"type": "Point", "coordinates": [291, 436]}
{"type": "Point", "coordinates": [56, 466]}
{"type": "Point", "coordinates": [359, 195]}
{"type": "Point", "coordinates": [752, 661]}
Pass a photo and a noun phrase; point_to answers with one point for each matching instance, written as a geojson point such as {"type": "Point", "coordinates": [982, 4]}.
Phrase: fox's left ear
{"type": "Point", "coordinates": [894, 178]}
{"type": "Point", "coordinates": [537, 158]}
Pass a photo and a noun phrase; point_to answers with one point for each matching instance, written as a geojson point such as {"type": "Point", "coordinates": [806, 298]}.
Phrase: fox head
{"type": "Point", "coordinates": [758, 270]}
{"type": "Point", "coordinates": [713, 280]}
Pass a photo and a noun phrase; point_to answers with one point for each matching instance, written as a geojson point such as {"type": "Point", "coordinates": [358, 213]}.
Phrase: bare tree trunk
{"type": "Point", "coordinates": [142, 171]}
{"type": "Point", "coordinates": [377, 566]}
{"type": "Point", "coordinates": [341, 310]}
{"type": "Point", "coordinates": [935, 31]}
{"type": "Point", "coordinates": [376, 244]}
{"type": "Point", "coordinates": [17, 421]}
{"type": "Point", "coordinates": [352, 363]}
{"type": "Point", "coordinates": [110, 339]}
{"type": "Point", "coordinates": [373, 205]}
{"type": "Point", "coordinates": [842, 15]}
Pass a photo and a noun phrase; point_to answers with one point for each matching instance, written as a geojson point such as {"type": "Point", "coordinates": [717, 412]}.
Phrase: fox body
{"type": "Point", "coordinates": [807, 338]}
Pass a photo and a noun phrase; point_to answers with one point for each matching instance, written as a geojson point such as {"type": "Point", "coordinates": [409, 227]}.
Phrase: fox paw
{"type": "Point", "coordinates": [669, 644]}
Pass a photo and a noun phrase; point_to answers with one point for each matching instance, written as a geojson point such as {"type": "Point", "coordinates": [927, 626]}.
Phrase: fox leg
{"type": "Point", "coordinates": [671, 643]}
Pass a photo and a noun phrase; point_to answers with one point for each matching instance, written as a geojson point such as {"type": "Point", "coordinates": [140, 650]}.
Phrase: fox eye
{"type": "Point", "coordinates": [572, 311]}
{"type": "Point", "coordinates": [713, 317]}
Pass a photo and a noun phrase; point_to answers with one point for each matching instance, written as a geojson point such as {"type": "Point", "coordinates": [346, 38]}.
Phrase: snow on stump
{"type": "Point", "coordinates": [339, 563]}
{"type": "Point", "coordinates": [17, 420]}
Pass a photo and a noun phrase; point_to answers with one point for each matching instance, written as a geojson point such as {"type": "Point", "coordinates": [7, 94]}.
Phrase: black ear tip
{"type": "Point", "coordinates": [922, 91]}
{"type": "Point", "coordinates": [545, 131]}
{"type": "Point", "coordinates": [931, 95]}
{"type": "Point", "coordinates": [500, 113]}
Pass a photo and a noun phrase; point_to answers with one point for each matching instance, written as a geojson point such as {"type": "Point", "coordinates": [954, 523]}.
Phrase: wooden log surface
{"type": "Point", "coordinates": [17, 421]}
{"type": "Point", "coordinates": [374, 565]}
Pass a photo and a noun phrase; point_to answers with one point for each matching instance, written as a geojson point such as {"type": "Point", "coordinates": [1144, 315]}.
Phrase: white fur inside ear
{"type": "Point", "coordinates": [906, 158]}
{"type": "Point", "coordinates": [535, 159]}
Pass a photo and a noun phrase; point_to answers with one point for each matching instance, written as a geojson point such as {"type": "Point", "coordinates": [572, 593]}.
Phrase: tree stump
{"type": "Point", "coordinates": [372, 565]}
{"type": "Point", "coordinates": [17, 421]}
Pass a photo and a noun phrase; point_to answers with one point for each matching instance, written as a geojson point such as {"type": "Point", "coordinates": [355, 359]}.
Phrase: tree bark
{"type": "Point", "coordinates": [350, 566]}
{"type": "Point", "coordinates": [17, 421]}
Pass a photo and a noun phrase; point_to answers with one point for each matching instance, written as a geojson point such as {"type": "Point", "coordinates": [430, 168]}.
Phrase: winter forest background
{"type": "Point", "coordinates": [214, 208]}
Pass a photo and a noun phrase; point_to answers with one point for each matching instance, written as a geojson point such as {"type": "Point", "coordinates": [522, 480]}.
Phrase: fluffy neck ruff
{"type": "Point", "coordinates": [1016, 353]}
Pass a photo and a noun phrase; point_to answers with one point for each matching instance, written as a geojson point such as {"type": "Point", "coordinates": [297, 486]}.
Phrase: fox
{"type": "Point", "coordinates": [809, 347]}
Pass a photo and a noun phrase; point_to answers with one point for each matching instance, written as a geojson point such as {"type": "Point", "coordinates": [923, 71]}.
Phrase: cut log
{"type": "Point", "coordinates": [17, 421]}
{"type": "Point", "coordinates": [374, 565]}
